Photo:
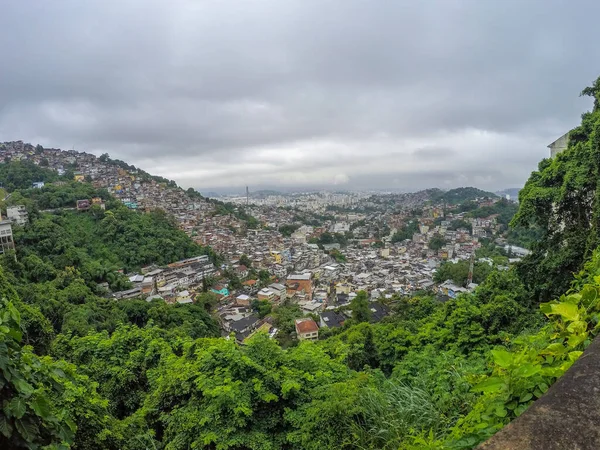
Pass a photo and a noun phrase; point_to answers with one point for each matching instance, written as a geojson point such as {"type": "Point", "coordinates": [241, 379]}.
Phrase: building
{"type": "Point", "coordinates": [332, 319]}
{"type": "Point", "coordinates": [307, 329]}
{"type": "Point", "coordinates": [6, 237]}
{"type": "Point", "coordinates": [242, 300]}
{"type": "Point", "coordinates": [299, 284]}
{"type": "Point", "coordinates": [18, 214]}
{"type": "Point", "coordinates": [83, 205]}
{"type": "Point", "coordinates": [279, 290]}
{"type": "Point", "coordinates": [559, 145]}
{"type": "Point", "coordinates": [266, 294]}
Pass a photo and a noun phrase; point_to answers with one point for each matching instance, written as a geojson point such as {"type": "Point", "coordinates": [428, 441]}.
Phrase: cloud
{"type": "Point", "coordinates": [302, 92]}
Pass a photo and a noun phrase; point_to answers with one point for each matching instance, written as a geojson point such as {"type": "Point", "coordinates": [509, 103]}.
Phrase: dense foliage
{"type": "Point", "coordinates": [21, 175]}
{"type": "Point", "coordinates": [562, 200]}
{"type": "Point", "coordinates": [460, 195]}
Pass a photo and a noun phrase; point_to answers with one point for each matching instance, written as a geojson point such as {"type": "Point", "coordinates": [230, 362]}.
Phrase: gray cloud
{"type": "Point", "coordinates": [307, 93]}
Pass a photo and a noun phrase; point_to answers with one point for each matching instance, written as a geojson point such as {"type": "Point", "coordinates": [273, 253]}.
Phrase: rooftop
{"type": "Point", "coordinates": [306, 326]}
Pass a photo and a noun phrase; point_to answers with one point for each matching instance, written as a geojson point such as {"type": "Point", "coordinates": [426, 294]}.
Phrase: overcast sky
{"type": "Point", "coordinates": [283, 93]}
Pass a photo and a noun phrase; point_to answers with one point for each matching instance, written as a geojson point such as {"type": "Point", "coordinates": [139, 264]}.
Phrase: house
{"type": "Point", "coordinates": [279, 291]}
{"type": "Point", "coordinates": [559, 145]}
{"type": "Point", "coordinates": [241, 271]}
{"type": "Point", "coordinates": [6, 237]}
{"type": "Point", "coordinates": [244, 327]}
{"type": "Point", "coordinates": [311, 307]}
{"type": "Point", "coordinates": [331, 319]}
{"type": "Point", "coordinates": [183, 297]}
{"type": "Point", "coordinates": [18, 214]}
{"type": "Point", "coordinates": [83, 205]}
{"type": "Point", "coordinates": [37, 184]}
{"type": "Point", "coordinates": [266, 294]}
{"type": "Point", "coordinates": [299, 284]}
{"type": "Point", "coordinates": [378, 311]}
{"type": "Point", "coordinates": [242, 300]}
{"type": "Point", "coordinates": [220, 290]}
{"type": "Point", "coordinates": [307, 329]}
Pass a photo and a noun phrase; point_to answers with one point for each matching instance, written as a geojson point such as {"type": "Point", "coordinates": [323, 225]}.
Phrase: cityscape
{"type": "Point", "coordinates": [314, 249]}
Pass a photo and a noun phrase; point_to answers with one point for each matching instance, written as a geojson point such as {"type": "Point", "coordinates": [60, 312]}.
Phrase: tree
{"type": "Point", "coordinates": [459, 272]}
{"type": "Point", "coordinates": [45, 402]}
{"type": "Point", "coordinates": [261, 307]}
{"type": "Point", "coordinates": [245, 261]}
{"type": "Point", "coordinates": [562, 200]}
{"type": "Point", "coordinates": [437, 242]}
{"type": "Point", "coordinates": [264, 276]}
{"type": "Point", "coordinates": [359, 305]}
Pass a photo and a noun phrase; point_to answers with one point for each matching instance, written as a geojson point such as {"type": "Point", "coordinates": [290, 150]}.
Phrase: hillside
{"type": "Point", "coordinates": [460, 195]}
{"type": "Point", "coordinates": [134, 187]}
{"type": "Point", "coordinates": [437, 373]}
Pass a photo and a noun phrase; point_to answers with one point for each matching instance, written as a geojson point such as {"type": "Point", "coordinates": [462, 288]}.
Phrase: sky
{"type": "Point", "coordinates": [301, 94]}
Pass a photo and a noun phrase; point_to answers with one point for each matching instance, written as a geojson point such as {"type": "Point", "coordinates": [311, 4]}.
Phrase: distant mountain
{"type": "Point", "coordinates": [462, 194]}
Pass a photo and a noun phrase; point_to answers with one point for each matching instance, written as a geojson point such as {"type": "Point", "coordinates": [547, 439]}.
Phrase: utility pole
{"type": "Point", "coordinates": [247, 196]}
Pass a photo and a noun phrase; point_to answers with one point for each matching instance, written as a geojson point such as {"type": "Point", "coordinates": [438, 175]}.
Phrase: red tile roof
{"type": "Point", "coordinates": [306, 326]}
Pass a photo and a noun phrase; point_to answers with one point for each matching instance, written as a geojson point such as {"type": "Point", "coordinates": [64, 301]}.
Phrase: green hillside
{"type": "Point", "coordinates": [460, 195]}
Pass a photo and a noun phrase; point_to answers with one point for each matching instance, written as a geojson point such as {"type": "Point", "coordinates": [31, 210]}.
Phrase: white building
{"type": "Point", "coordinates": [18, 214]}
{"type": "Point", "coordinates": [6, 237]}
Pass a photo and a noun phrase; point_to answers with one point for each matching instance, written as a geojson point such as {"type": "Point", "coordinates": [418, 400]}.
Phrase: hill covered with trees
{"type": "Point", "coordinates": [460, 195]}
{"type": "Point", "coordinates": [85, 372]}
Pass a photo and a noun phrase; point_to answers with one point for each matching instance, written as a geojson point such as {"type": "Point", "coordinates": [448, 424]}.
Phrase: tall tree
{"type": "Point", "coordinates": [360, 307]}
{"type": "Point", "coordinates": [562, 199]}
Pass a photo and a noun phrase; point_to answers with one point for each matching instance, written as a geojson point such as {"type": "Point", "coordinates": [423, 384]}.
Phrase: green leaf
{"type": "Point", "coordinates": [554, 349]}
{"type": "Point", "coordinates": [503, 358]}
{"type": "Point", "coordinates": [491, 384]}
{"type": "Point", "coordinates": [5, 426]}
{"type": "Point", "coordinates": [500, 411]}
{"type": "Point", "coordinates": [568, 311]}
{"type": "Point", "coordinates": [546, 308]}
{"type": "Point", "coordinates": [576, 339]}
{"type": "Point", "coordinates": [574, 356]}
{"type": "Point", "coordinates": [576, 327]}
{"type": "Point", "coordinates": [526, 397]}
{"type": "Point", "coordinates": [17, 407]}
{"type": "Point", "coordinates": [41, 407]}
{"type": "Point", "coordinates": [23, 387]}
{"type": "Point", "coordinates": [527, 370]}
{"type": "Point", "coordinates": [543, 387]}
{"type": "Point", "coordinates": [26, 429]}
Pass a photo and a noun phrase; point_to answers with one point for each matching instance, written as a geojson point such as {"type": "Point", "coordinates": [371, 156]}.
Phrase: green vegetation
{"type": "Point", "coordinates": [562, 200]}
{"type": "Point", "coordinates": [20, 175]}
{"type": "Point", "coordinates": [288, 229]}
{"type": "Point", "coordinates": [337, 255]}
{"type": "Point", "coordinates": [460, 195]}
{"type": "Point", "coordinates": [406, 232]}
{"type": "Point", "coordinates": [330, 238]}
{"type": "Point", "coordinates": [504, 209]}
{"type": "Point", "coordinates": [459, 272]}
{"type": "Point", "coordinates": [437, 242]}
{"type": "Point", "coordinates": [223, 208]}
